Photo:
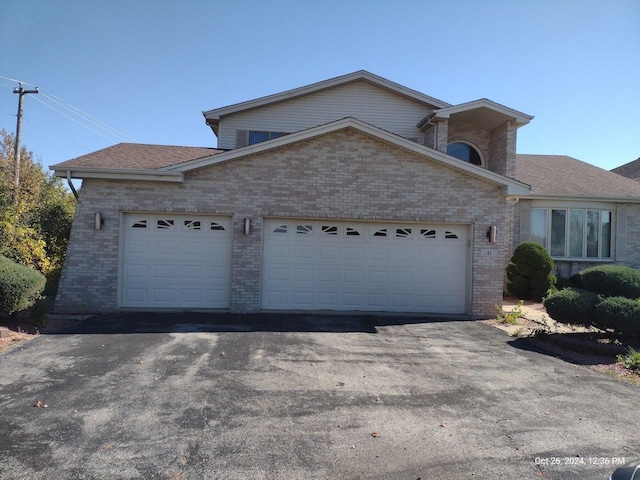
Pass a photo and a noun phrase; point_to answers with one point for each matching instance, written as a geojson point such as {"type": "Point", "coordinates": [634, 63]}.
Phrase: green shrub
{"type": "Point", "coordinates": [20, 286]}
{"type": "Point", "coordinates": [572, 305]}
{"type": "Point", "coordinates": [612, 281]}
{"type": "Point", "coordinates": [620, 314]}
{"type": "Point", "coordinates": [631, 359]}
{"type": "Point", "coordinates": [529, 272]}
{"type": "Point", "coordinates": [575, 281]}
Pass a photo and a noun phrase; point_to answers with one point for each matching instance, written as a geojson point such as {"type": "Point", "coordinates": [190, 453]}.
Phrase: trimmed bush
{"type": "Point", "coordinates": [612, 281]}
{"type": "Point", "coordinates": [20, 286]}
{"type": "Point", "coordinates": [620, 314]}
{"type": "Point", "coordinates": [575, 280]}
{"type": "Point", "coordinates": [529, 272]}
{"type": "Point", "coordinates": [572, 305]}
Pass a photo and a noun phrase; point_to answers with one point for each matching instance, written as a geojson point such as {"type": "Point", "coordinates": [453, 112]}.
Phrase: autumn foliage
{"type": "Point", "coordinates": [34, 228]}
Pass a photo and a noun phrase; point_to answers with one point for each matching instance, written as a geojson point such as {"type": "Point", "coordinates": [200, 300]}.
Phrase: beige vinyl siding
{"type": "Point", "coordinates": [361, 100]}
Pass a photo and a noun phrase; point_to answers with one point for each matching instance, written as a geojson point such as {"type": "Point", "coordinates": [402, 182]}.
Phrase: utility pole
{"type": "Point", "coordinates": [16, 157]}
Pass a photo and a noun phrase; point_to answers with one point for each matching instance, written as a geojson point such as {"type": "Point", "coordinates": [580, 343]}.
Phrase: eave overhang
{"type": "Point", "coordinates": [118, 174]}
{"type": "Point", "coordinates": [483, 112]}
{"type": "Point", "coordinates": [581, 198]}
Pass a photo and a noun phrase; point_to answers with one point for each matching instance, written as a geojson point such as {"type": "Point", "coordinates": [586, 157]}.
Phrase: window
{"type": "Point", "coordinates": [465, 152]}
{"type": "Point", "coordinates": [573, 232]}
{"type": "Point", "coordinates": [257, 137]}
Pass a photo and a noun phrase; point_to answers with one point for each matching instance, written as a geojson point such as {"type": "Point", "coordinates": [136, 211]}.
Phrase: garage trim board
{"type": "Point", "coordinates": [365, 266]}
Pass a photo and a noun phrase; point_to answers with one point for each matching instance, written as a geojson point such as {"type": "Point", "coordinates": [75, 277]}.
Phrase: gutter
{"type": "Point", "coordinates": [582, 198]}
{"type": "Point", "coordinates": [120, 174]}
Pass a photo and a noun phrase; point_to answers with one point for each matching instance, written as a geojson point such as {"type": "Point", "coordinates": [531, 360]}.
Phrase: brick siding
{"type": "Point", "coordinates": [345, 174]}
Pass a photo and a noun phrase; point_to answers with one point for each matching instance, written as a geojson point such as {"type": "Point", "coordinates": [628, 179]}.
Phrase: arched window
{"type": "Point", "coordinates": [465, 152]}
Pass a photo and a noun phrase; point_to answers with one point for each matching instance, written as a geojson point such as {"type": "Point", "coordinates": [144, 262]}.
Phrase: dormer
{"type": "Point", "coordinates": [481, 132]}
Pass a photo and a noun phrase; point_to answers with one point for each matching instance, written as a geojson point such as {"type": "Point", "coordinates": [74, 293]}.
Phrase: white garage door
{"type": "Point", "coordinates": [318, 265]}
{"type": "Point", "coordinates": [176, 261]}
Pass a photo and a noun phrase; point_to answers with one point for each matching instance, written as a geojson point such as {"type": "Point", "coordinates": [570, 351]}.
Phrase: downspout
{"type": "Point", "coordinates": [435, 133]}
{"type": "Point", "coordinates": [73, 189]}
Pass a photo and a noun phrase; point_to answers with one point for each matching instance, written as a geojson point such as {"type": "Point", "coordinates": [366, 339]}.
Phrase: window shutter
{"type": "Point", "coordinates": [525, 223]}
{"type": "Point", "coordinates": [242, 138]}
{"type": "Point", "coordinates": [621, 235]}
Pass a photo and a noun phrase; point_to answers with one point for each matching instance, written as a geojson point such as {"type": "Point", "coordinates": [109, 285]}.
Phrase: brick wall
{"type": "Point", "coordinates": [344, 174]}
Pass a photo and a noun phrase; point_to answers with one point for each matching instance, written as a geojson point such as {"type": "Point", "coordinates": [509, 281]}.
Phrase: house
{"type": "Point", "coordinates": [351, 194]}
{"type": "Point", "coordinates": [629, 170]}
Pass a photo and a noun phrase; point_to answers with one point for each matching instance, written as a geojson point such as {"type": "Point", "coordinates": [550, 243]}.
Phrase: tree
{"type": "Point", "coordinates": [34, 230]}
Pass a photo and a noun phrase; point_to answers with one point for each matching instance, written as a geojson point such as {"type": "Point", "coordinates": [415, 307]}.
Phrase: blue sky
{"type": "Point", "coordinates": [148, 68]}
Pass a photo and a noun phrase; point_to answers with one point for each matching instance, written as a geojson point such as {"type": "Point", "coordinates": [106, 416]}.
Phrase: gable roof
{"type": "Point", "coordinates": [160, 166]}
{"type": "Point", "coordinates": [514, 187]}
{"type": "Point", "coordinates": [482, 112]}
{"type": "Point", "coordinates": [629, 170]}
{"type": "Point", "coordinates": [559, 176]}
{"type": "Point", "coordinates": [212, 117]}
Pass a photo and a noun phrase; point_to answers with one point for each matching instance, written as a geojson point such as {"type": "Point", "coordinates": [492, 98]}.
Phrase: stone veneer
{"type": "Point", "coordinates": [344, 174]}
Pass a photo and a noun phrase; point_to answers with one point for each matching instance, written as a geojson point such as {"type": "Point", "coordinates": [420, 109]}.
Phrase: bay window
{"type": "Point", "coordinates": [573, 232]}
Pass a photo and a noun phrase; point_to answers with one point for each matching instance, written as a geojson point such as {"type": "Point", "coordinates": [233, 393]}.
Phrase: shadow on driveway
{"type": "Point", "coordinates": [184, 322]}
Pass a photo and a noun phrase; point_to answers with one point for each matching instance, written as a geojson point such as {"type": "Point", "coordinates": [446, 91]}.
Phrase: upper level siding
{"type": "Point", "coordinates": [361, 100]}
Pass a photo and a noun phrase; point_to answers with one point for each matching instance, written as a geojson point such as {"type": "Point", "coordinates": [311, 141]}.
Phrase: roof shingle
{"type": "Point", "coordinates": [629, 170]}
{"type": "Point", "coordinates": [559, 175]}
{"type": "Point", "coordinates": [138, 156]}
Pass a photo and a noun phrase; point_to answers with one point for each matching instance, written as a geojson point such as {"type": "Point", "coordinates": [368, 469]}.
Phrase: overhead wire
{"type": "Point", "coordinates": [85, 118]}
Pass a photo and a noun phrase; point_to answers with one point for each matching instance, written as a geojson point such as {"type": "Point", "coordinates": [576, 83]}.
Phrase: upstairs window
{"type": "Point", "coordinates": [465, 152]}
{"type": "Point", "coordinates": [573, 232]}
{"type": "Point", "coordinates": [257, 137]}
{"type": "Point", "coordinates": [250, 137]}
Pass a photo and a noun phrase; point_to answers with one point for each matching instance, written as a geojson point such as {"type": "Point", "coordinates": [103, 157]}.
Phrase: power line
{"type": "Point", "coordinates": [85, 116]}
{"type": "Point", "coordinates": [114, 134]}
{"type": "Point", "coordinates": [74, 120]}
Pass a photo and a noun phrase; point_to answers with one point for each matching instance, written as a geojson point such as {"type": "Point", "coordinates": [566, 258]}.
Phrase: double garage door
{"type": "Point", "coordinates": [331, 265]}
{"type": "Point", "coordinates": [184, 261]}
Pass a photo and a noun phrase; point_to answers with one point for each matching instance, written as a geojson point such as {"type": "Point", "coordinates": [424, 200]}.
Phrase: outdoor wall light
{"type": "Point", "coordinates": [98, 221]}
{"type": "Point", "coordinates": [247, 226]}
{"type": "Point", "coordinates": [492, 234]}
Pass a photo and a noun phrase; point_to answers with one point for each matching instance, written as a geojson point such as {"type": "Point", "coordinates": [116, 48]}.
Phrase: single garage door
{"type": "Point", "coordinates": [336, 265]}
{"type": "Point", "coordinates": [176, 261]}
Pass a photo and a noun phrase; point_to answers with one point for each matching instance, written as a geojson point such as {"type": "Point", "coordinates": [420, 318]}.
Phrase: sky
{"type": "Point", "coordinates": [144, 70]}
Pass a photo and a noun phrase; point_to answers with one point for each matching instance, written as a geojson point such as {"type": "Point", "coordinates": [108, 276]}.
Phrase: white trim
{"type": "Point", "coordinates": [520, 117]}
{"type": "Point", "coordinates": [514, 187]}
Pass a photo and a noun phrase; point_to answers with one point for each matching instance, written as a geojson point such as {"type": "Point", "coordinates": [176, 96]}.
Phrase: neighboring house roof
{"type": "Point", "coordinates": [212, 117]}
{"type": "Point", "coordinates": [629, 170]}
{"type": "Point", "coordinates": [109, 163]}
{"type": "Point", "coordinates": [559, 176]}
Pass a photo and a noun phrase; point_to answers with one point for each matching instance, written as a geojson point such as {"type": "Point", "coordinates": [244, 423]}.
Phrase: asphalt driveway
{"type": "Point", "coordinates": [201, 396]}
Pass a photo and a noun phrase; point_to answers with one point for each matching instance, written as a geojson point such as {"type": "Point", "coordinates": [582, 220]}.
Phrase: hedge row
{"type": "Point", "coordinates": [20, 286]}
{"type": "Point", "coordinates": [607, 297]}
